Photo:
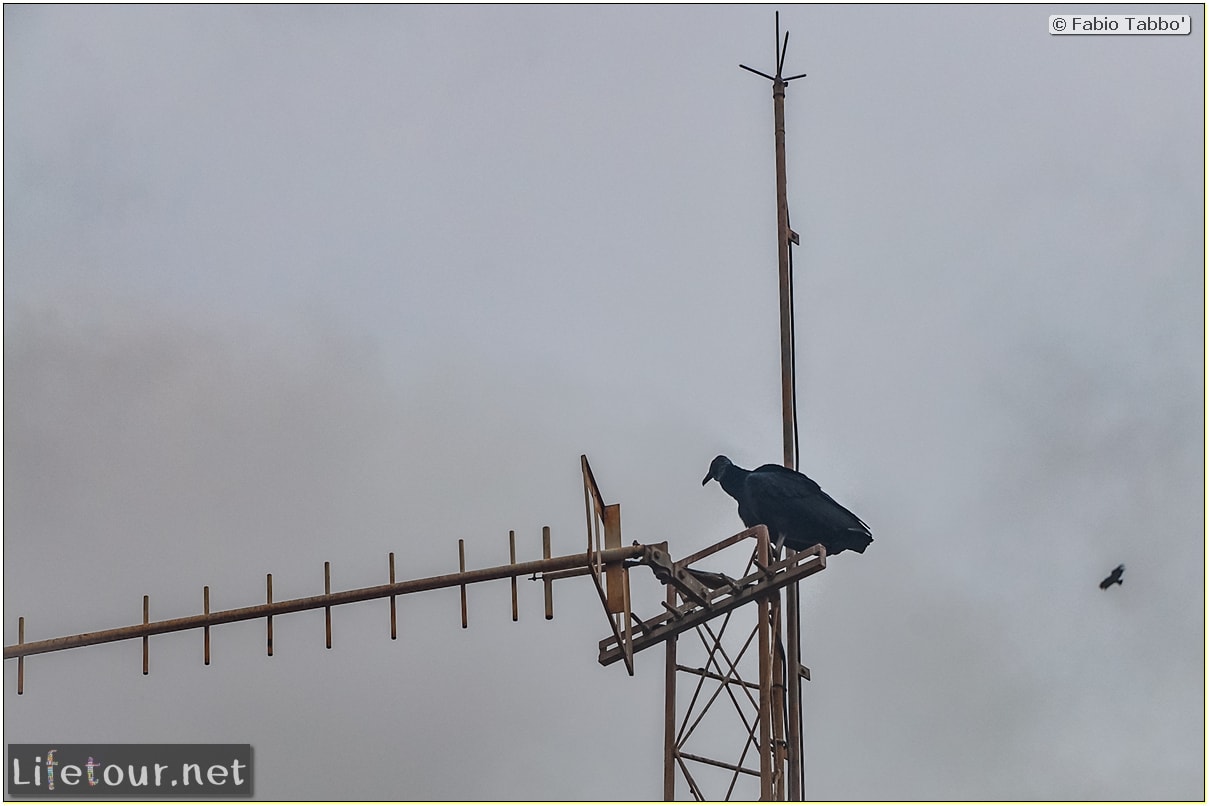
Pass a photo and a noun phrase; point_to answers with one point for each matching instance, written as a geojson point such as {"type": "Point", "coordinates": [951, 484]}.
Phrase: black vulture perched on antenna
{"type": "Point", "coordinates": [792, 506]}
{"type": "Point", "coordinates": [1114, 577]}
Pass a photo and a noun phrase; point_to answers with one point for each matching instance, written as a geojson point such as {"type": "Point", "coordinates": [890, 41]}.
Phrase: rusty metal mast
{"type": "Point", "coordinates": [770, 706]}
{"type": "Point", "coordinates": [791, 667]}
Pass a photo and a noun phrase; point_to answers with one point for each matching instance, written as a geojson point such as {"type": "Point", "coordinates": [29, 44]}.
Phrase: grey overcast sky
{"type": "Point", "coordinates": [294, 284]}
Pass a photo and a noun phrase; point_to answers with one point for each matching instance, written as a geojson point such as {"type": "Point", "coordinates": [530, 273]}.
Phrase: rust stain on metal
{"type": "Point", "coordinates": [766, 663]}
{"type": "Point", "coordinates": [615, 577]}
{"type": "Point", "coordinates": [670, 666]}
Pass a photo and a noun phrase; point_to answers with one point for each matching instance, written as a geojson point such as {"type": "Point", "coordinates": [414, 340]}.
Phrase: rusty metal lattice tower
{"type": "Point", "coordinates": [712, 606]}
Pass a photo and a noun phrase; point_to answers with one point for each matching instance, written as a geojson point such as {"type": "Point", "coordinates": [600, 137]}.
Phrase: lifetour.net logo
{"type": "Point", "coordinates": [70, 771]}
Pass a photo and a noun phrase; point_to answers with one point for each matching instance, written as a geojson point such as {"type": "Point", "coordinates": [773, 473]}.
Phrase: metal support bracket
{"type": "Point", "coordinates": [706, 604]}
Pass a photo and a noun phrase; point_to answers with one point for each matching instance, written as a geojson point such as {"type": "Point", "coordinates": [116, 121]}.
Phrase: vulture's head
{"type": "Point", "coordinates": [716, 469]}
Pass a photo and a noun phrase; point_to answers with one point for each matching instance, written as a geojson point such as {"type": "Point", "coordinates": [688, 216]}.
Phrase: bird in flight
{"type": "Point", "coordinates": [1114, 577]}
{"type": "Point", "coordinates": [793, 507]}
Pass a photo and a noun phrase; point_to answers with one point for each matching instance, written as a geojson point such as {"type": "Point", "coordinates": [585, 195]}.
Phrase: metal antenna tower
{"type": "Point", "coordinates": [785, 237]}
{"type": "Point", "coordinates": [790, 669]}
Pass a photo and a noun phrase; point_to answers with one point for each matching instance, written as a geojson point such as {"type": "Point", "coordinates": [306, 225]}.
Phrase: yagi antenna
{"type": "Point", "coordinates": [698, 601]}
